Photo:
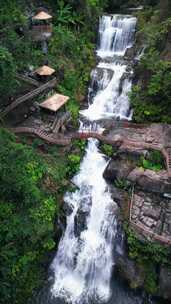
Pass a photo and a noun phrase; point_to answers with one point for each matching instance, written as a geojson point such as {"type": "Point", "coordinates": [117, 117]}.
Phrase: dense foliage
{"type": "Point", "coordinates": [70, 51]}
{"type": "Point", "coordinates": [153, 161]}
{"type": "Point", "coordinates": [149, 256]}
{"type": "Point", "coordinates": [33, 179]}
{"type": "Point", "coordinates": [27, 216]}
{"type": "Point", "coordinates": [31, 190]}
{"type": "Point", "coordinates": [151, 96]}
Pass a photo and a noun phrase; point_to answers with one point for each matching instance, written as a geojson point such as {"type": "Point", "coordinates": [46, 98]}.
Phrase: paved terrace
{"type": "Point", "coordinates": [150, 215]}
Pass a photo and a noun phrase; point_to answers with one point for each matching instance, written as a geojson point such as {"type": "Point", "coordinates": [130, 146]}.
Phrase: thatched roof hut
{"type": "Point", "coordinates": [44, 70]}
{"type": "Point", "coordinates": [42, 16]}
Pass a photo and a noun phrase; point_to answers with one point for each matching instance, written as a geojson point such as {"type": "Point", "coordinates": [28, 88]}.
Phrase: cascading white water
{"type": "Point", "coordinates": [83, 265]}
{"type": "Point", "coordinates": [116, 35]}
{"type": "Point", "coordinates": [84, 260]}
{"type": "Point", "coordinates": [107, 102]}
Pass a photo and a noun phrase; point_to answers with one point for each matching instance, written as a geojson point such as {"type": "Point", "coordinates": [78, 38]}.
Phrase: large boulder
{"type": "Point", "coordinates": [117, 170]}
{"type": "Point", "coordinates": [152, 181]}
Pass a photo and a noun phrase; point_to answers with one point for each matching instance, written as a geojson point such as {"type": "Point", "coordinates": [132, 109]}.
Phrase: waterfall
{"type": "Point", "coordinates": [116, 35]}
{"type": "Point", "coordinates": [84, 261]}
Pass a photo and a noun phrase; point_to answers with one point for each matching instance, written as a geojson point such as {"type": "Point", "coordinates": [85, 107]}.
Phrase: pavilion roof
{"type": "Point", "coordinates": [45, 70]}
{"type": "Point", "coordinates": [42, 16]}
{"type": "Point", "coordinates": [55, 102]}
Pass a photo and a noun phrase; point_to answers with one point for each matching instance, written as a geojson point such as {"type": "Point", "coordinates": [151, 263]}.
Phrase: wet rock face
{"type": "Point", "coordinates": [68, 209]}
{"type": "Point", "coordinates": [165, 283]}
{"type": "Point", "coordinates": [117, 195]}
{"type": "Point", "coordinates": [80, 222]}
{"type": "Point", "coordinates": [130, 53]}
{"type": "Point", "coordinates": [98, 82]}
{"type": "Point", "coordinates": [117, 170]}
{"type": "Point", "coordinates": [131, 272]}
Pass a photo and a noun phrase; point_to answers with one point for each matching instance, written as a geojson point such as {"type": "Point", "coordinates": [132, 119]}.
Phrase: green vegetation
{"type": "Point", "coordinates": [149, 256]}
{"type": "Point", "coordinates": [70, 50]}
{"type": "Point", "coordinates": [80, 145]}
{"type": "Point", "coordinates": [107, 149]}
{"type": "Point", "coordinates": [74, 163]}
{"type": "Point", "coordinates": [33, 179]}
{"type": "Point", "coordinates": [151, 96]}
{"type": "Point", "coordinates": [122, 184]}
{"type": "Point", "coordinates": [33, 175]}
{"type": "Point", "coordinates": [31, 190]}
{"type": "Point", "coordinates": [7, 71]}
{"type": "Point", "coordinates": [154, 161]}
{"type": "Point", "coordinates": [74, 159]}
{"type": "Point", "coordinates": [27, 216]}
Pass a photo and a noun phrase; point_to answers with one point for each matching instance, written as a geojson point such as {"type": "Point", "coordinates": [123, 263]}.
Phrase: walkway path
{"type": "Point", "coordinates": [51, 138]}
{"type": "Point", "coordinates": [30, 95]}
{"type": "Point", "coordinates": [128, 137]}
{"type": "Point", "coordinates": [148, 216]}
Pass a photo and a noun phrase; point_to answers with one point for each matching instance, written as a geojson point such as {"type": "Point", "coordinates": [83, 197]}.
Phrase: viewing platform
{"type": "Point", "coordinates": [41, 28]}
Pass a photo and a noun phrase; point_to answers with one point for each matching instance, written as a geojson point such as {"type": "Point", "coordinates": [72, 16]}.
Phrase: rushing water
{"type": "Point", "coordinates": [82, 267]}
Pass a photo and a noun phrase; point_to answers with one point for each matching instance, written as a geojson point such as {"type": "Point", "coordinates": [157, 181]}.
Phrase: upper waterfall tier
{"type": "Point", "coordinates": [116, 35]}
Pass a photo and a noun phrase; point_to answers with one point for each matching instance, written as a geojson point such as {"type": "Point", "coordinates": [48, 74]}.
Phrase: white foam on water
{"type": "Point", "coordinates": [84, 260]}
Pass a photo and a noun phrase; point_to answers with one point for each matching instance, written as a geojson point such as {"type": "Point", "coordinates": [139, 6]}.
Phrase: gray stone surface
{"type": "Point", "coordinates": [151, 212]}
{"type": "Point", "coordinates": [115, 170]}
{"type": "Point", "coordinates": [151, 181]}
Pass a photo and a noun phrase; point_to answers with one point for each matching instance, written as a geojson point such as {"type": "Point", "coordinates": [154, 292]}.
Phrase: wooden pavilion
{"type": "Point", "coordinates": [44, 73]}
{"type": "Point", "coordinates": [53, 104]}
{"type": "Point", "coordinates": [41, 26]}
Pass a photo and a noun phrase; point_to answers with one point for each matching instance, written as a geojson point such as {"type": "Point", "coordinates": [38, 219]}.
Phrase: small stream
{"type": "Point", "coordinates": [82, 270]}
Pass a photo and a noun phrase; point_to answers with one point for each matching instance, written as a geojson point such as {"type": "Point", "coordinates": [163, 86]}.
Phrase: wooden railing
{"type": "Point", "coordinates": [28, 79]}
{"type": "Point", "coordinates": [30, 95]}
{"type": "Point", "coordinates": [121, 142]}
{"type": "Point", "coordinates": [42, 133]}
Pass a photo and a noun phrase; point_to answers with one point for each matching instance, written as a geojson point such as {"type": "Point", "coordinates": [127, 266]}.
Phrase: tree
{"type": "Point", "coordinates": [7, 71]}
{"type": "Point", "coordinates": [26, 220]}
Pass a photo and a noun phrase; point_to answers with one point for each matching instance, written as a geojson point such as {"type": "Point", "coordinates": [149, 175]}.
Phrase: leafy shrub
{"type": "Point", "coordinates": [27, 216]}
{"type": "Point", "coordinates": [149, 256]}
{"type": "Point", "coordinates": [81, 144]}
{"type": "Point", "coordinates": [145, 251]}
{"type": "Point", "coordinates": [122, 184]}
{"type": "Point", "coordinates": [151, 97]}
{"type": "Point", "coordinates": [7, 71]}
{"type": "Point", "coordinates": [107, 149]}
{"type": "Point", "coordinates": [154, 162]}
{"type": "Point", "coordinates": [73, 164]}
